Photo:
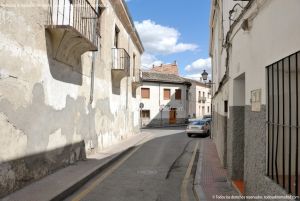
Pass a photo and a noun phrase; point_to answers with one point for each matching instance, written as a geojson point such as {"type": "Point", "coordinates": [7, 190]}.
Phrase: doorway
{"type": "Point", "coordinates": [236, 134]}
{"type": "Point", "coordinates": [172, 116]}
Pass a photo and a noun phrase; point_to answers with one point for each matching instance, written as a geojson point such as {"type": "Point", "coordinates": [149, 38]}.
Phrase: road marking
{"type": "Point", "coordinates": [184, 194]}
{"type": "Point", "coordinates": [99, 180]}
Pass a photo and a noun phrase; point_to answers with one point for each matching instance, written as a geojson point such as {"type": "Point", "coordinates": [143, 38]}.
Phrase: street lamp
{"type": "Point", "coordinates": [204, 75]}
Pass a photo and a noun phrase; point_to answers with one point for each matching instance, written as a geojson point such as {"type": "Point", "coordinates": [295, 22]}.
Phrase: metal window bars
{"type": "Point", "coordinates": [79, 14]}
{"type": "Point", "coordinates": [201, 99]}
{"type": "Point", "coordinates": [120, 59]}
{"type": "Point", "coordinates": [283, 122]}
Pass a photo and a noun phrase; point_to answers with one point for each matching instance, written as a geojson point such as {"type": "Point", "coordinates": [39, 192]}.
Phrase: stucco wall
{"type": "Point", "coordinates": [270, 37]}
{"type": "Point", "coordinates": [194, 103]}
{"type": "Point", "coordinates": [47, 121]}
{"type": "Point", "coordinates": [156, 102]}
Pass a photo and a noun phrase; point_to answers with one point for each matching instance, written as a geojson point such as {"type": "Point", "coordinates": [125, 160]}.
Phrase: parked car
{"type": "Point", "coordinates": [208, 116]}
{"type": "Point", "coordinates": [198, 127]}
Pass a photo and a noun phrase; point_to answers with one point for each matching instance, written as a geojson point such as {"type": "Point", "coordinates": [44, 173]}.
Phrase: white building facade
{"type": "Point", "coordinates": [199, 99]}
{"type": "Point", "coordinates": [255, 69]}
{"type": "Point", "coordinates": [69, 72]}
{"type": "Point", "coordinates": [165, 99]}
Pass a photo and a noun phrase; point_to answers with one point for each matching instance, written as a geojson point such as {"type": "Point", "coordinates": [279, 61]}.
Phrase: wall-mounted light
{"type": "Point", "coordinates": [204, 75]}
{"type": "Point", "coordinates": [245, 25]}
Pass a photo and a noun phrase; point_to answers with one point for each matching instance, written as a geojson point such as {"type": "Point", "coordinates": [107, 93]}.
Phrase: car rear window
{"type": "Point", "coordinates": [199, 123]}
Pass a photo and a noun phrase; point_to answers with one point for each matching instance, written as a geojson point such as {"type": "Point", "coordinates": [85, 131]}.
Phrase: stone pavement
{"type": "Point", "coordinates": [211, 181]}
{"type": "Point", "coordinates": [63, 182]}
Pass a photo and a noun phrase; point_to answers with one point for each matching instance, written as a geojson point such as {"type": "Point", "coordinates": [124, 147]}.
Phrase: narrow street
{"type": "Point", "coordinates": [154, 171]}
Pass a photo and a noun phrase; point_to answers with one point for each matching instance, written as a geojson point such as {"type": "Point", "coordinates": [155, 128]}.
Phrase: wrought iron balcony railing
{"type": "Point", "coordinates": [79, 14]}
{"type": "Point", "coordinates": [137, 76]}
{"type": "Point", "coordinates": [201, 99]}
{"type": "Point", "coordinates": [120, 60]}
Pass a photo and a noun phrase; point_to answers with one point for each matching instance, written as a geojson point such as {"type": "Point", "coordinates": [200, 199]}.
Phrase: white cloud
{"type": "Point", "coordinates": [158, 39]}
{"type": "Point", "coordinates": [199, 65]}
{"type": "Point", "coordinates": [148, 60]}
{"type": "Point", "coordinates": [195, 69]}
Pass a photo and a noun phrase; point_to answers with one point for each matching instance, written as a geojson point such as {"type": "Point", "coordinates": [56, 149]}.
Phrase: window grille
{"type": "Point", "coordinates": [283, 122]}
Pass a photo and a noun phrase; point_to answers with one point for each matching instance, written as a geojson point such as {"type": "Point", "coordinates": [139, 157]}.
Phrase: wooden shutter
{"type": "Point", "coordinates": [145, 93]}
{"type": "Point", "coordinates": [167, 94]}
{"type": "Point", "coordinates": [178, 94]}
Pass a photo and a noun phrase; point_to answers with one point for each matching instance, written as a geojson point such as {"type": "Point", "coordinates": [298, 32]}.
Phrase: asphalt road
{"type": "Point", "coordinates": [159, 170]}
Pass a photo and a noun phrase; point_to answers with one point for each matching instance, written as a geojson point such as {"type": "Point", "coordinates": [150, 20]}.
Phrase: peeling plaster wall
{"type": "Point", "coordinates": [46, 119]}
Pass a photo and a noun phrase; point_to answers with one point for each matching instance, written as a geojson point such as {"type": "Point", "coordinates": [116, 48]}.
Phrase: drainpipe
{"type": "Point", "coordinates": [160, 110]}
{"type": "Point", "coordinates": [93, 59]}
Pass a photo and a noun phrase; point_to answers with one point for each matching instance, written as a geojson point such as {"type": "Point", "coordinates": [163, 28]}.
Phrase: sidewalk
{"type": "Point", "coordinates": [211, 181]}
{"type": "Point", "coordinates": [62, 183]}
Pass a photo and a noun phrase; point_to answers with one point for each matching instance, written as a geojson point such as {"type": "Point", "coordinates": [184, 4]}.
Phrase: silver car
{"type": "Point", "coordinates": [198, 127]}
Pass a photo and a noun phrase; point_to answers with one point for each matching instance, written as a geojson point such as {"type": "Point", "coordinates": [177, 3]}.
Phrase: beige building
{"type": "Point", "coordinates": [69, 72]}
{"type": "Point", "coordinates": [199, 99]}
{"type": "Point", "coordinates": [255, 68]}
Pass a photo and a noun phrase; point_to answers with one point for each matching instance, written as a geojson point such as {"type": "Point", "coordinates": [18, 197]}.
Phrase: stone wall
{"type": "Point", "coordinates": [165, 122]}
{"type": "Point", "coordinates": [256, 182]}
{"type": "Point", "coordinates": [219, 134]}
{"type": "Point", "coordinates": [235, 142]}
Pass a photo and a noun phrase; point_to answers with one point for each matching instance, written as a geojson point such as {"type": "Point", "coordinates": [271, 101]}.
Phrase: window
{"type": "Point", "coordinates": [283, 122]}
{"type": "Point", "coordinates": [167, 94]}
{"type": "Point", "coordinates": [203, 94]}
{"type": "Point", "coordinates": [226, 106]}
{"type": "Point", "coordinates": [145, 93]}
{"type": "Point", "coordinates": [133, 64]}
{"type": "Point", "coordinates": [116, 39]}
{"type": "Point", "coordinates": [207, 109]}
{"type": "Point", "coordinates": [145, 113]}
{"type": "Point", "coordinates": [178, 94]}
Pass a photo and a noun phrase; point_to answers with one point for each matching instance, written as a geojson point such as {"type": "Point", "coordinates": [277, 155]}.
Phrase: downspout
{"type": "Point", "coordinates": [92, 76]}
{"type": "Point", "coordinates": [93, 58]}
{"type": "Point", "coordinates": [160, 110]}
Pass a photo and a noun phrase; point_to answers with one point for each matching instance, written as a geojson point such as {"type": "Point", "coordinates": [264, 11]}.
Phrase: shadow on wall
{"type": "Point", "coordinates": [165, 114]}
{"type": "Point", "coordinates": [17, 173]}
{"type": "Point", "coordinates": [59, 70]}
{"type": "Point", "coordinates": [43, 127]}
{"type": "Point", "coordinates": [116, 85]}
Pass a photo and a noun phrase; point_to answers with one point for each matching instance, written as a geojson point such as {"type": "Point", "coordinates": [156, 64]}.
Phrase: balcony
{"type": "Point", "coordinates": [136, 80]}
{"type": "Point", "coordinates": [120, 64]}
{"type": "Point", "coordinates": [72, 27]}
{"type": "Point", "coordinates": [201, 99]}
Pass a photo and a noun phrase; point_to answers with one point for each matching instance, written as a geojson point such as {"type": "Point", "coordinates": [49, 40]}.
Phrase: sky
{"type": "Point", "coordinates": [173, 31]}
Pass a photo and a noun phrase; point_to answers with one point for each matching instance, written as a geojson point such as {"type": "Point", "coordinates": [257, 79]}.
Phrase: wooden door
{"type": "Point", "coordinates": [172, 116]}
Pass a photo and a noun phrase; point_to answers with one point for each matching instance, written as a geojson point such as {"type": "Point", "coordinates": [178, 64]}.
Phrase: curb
{"type": "Point", "coordinates": [198, 191]}
{"type": "Point", "coordinates": [82, 181]}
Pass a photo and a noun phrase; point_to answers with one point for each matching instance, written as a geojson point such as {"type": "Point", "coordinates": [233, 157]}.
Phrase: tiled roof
{"type": "Point", "coordinates": [163, 77]}
{"type": "Point", "coordinates": [199, 83]}
{"type": "Point", "coordinates": [166, 68]}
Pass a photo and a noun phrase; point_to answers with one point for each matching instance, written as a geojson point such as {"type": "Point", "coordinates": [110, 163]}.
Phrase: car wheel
{"type": "Point", "coordinates": [189, 135]}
